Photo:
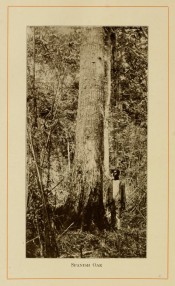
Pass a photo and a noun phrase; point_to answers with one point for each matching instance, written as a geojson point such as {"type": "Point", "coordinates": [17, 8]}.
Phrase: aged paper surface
{"type": "Point", "coordinates": [158, 267]}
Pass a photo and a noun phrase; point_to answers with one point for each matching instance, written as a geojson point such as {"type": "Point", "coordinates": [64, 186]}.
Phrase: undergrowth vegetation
{"type": "Point", "coordinates": [53, 72]}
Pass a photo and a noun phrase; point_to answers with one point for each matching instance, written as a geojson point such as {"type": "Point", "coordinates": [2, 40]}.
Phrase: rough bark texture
{"type": "Point", "coordinates": [89, 155]}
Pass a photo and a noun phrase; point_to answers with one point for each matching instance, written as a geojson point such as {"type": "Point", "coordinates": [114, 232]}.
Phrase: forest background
{"type": "Point", "coordinates": [53, 75]}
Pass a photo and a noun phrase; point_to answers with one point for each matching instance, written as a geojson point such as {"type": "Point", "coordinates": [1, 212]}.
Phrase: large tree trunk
{"type": "Point", "coordinates": [89, 154]}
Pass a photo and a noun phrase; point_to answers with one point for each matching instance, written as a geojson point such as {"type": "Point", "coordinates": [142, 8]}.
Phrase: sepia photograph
{"type": "Point", "coordinates": [86, 141]}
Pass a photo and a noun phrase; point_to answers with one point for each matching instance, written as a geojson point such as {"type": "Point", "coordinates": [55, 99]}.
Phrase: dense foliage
{"type": "Point", "coordinates": [52, 94]}
{"type": "Point", "coordinates": [129, 116]}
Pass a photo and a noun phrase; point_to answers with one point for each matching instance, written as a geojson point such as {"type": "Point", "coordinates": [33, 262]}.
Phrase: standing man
{"type": "Point", "coordinates": [119, 196]}
{"type": "Point", "coordinates": [116, 174]}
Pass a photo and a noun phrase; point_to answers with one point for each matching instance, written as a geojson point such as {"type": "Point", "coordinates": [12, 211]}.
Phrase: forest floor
{"type": "Point", "coordinates": [128, 242]}
{"type": "Point", "coordinates": [124, 243]}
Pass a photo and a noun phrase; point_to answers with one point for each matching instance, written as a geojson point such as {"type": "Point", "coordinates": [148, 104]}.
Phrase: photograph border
{"type": "Point", "coordinates": [7, 155]}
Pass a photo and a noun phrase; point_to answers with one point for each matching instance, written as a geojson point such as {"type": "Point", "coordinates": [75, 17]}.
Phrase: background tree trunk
{"type": "Point", "coordinates": [35, 123]}
{"type": "Point", "coordinates": [89, 153]}
{"type": "Point", "coordinates": [107, 105]}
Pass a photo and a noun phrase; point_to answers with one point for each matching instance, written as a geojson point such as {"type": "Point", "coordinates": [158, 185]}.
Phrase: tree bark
{"type": "Point", "coordinates": [89, 153]}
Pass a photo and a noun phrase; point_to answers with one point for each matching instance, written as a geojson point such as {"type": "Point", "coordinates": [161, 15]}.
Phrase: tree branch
{"type": "Point", "coordinates": [38, 175]}
{"type": "Point", "coordinates": [66, 230]}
